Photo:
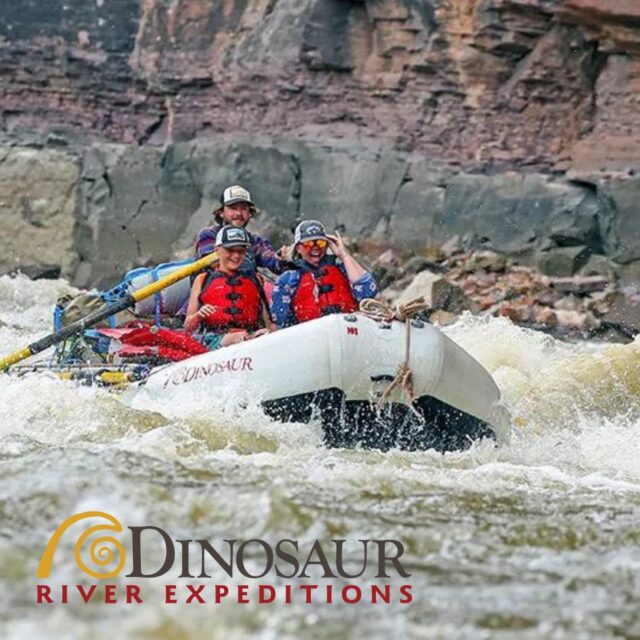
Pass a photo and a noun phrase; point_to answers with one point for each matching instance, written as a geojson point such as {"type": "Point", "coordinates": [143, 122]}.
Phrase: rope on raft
{"type": "Point", "coordinates": [382, 312]}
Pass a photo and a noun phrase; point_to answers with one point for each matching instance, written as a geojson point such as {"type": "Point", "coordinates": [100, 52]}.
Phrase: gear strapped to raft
{"type": "Point", "coordinates": [151, 331]}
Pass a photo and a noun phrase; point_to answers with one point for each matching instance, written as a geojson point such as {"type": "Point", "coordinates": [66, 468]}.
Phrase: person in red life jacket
{"type": "Point", "coordinates": [228, 305]}
{"type": "Point", "coordinates": [320, 284]}
{"type": "Point", "coordinates": [237, 209]}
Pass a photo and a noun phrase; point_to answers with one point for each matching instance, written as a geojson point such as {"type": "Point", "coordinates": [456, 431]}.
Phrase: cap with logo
{"type": "Point", "coordinates": [309, 230]}
{"type": "Point", "coordinates": [234, 194]}
{"type": "Point", "coordinates": [230, 236]}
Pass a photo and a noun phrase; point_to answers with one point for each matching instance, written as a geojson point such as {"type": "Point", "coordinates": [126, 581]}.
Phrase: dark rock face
{"type": "Point", "coordinates": [511, 123]}
{"type": "Point", "coordinates": [65, 65]}
{"type": "Point", "coordinates": [139, 205]}
{"type": "Point", "coordinates": [513, 212]}
{"type": "Point", "coordinates": [270, 172]}
{"type": "Point", "coordinates": [621, 228]}
{"type": "Point", "coordinates": [354, 187]}
{"type": "Point", "coordinates": [144, 205]}
{"type": "Point", "coordinates": [134, 204]}
{"type": "Point", "coordinates": [419, 201]}
{"type": "Point", "coordinates": [38, 209]}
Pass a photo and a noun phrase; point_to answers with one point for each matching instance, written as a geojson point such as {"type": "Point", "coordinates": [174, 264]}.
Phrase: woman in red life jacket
{"type": "Point", "coordinates": [228, 305]}
{"type": "Point", "coordinates": [320, 284]}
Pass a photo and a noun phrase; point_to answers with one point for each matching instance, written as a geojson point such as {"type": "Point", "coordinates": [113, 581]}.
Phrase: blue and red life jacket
{"type": "Point", "coordinates": [237, 298]}
{"type": "Point", "coordinates": [321, 292]}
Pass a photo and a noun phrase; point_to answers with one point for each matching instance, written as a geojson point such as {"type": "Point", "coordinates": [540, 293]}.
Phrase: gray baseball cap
{"type": "Point", "coordinates": [230, 236]}
{"type": "Point", "coordinates": [309, 230]}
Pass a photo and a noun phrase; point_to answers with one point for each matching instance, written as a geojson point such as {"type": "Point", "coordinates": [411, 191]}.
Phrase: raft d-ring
{"type": "Point", "coordinates": [351, 318]}
{"type": "Point", "coordinates": [418, 324]}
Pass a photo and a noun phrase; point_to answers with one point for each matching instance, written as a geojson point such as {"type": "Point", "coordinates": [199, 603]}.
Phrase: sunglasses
{"type": "Point", "coordinates": [320, 243]}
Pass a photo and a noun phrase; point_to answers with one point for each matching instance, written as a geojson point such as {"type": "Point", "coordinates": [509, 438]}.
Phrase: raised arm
{"type": "Point", "coordinates": [192, 319]}
{"type": "Point", "coordinates": [267, 257]}
{"type": "Point", "coordinates": [353, 269]}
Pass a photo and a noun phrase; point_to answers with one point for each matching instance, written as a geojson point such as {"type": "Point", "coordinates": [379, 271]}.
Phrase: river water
{"type": "Point", "coordinates": [536, 539]}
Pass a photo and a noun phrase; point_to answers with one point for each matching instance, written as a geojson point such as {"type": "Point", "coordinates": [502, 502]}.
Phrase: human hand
{"type": "Point", "coordinates": [205, 311]}
{"type": "Point", "coordinates": [337, 245]}
{"type": "Point", "coordinates": [257, 334]}
{"type": "Point", "coordinates": [285, 253]}
{"type": "Point", "coordinates": [233, 338]}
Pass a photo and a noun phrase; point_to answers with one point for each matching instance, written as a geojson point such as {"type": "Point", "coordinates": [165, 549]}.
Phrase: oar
{"type": "Point", "coordinates": [97, 316]}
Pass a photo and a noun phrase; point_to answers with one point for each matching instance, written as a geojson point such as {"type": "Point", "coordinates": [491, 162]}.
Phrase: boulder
{"type": "Point", "coordinates": [562, 261]}
{"type": "Point", "coordinates": [385, 275]}
{"type": "Point", "coordinates": [451, 247]}
{"type": "Point", "coordinates": [568, 303]}
{"type": "Point", "coordinates": [623, 314]}
{"type": "Point", "coordinates": [486, 261]}
{"type": "Point", "coordinates": [628, 273]}
{"type": "Point", "coordinates": [442, 318]}
{"type": "Point", "coordinates": [545, 316]}
{"type": "Point", "coordinates": [571, 318]}
{"type": "Point", "coordinates": [597, 265]}
{"type": "Point", "coordinates": [437, 292]}
{"type": "Point", "coordinates": [580, 285]}
{"type": "Point", "coordinates": [39, 271]}
{"type": "Point", "coordinates": [416, 264]}
{"type": "Point", "coordinates": [389, 258]}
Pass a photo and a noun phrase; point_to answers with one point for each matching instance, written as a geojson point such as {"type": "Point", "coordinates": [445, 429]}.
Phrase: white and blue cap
{"type": "Point", "coordinates": [230, 236]}
{"type": "Point", "coordinates": [234, 194]}
{"type": "Point", "coordinates": [309, 230]}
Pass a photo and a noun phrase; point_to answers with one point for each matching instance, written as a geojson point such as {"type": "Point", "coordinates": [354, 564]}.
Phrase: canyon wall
{"type": "Point", "coordinates": [513, 122]}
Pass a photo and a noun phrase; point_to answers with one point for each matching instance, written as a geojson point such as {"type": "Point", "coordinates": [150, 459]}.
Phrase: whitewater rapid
{"type": "Point", "coordinates": [539, 538]}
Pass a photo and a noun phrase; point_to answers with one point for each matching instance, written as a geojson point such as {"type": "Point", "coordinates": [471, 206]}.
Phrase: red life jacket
{"type": "Point", "coordinates": [237, 299]}
{"type": "Point", "coordinates": [322, 292]}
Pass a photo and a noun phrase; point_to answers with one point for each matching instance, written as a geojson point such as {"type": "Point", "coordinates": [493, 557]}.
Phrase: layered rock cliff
{"type": "Point", "coordinates": [405, 118]}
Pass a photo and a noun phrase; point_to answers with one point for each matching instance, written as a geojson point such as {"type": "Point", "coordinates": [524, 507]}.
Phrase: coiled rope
{"type": "Point", "coordinates": [383, 312]}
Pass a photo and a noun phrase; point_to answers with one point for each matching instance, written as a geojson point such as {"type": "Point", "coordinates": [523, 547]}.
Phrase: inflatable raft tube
{"type": "Point", "coordinates": [337, 367]}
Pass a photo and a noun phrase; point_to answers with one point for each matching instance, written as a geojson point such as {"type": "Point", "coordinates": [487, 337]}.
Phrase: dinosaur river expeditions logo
{"type": "Point", "coordinates": [117, 563]}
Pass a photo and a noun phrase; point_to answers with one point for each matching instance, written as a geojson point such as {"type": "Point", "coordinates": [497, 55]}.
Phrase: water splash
{"type": "Point", "coordinates": [538, 537]}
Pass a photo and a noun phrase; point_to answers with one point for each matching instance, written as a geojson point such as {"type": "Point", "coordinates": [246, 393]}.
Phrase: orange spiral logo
{"type": "Point", "coordinates": [101, 550]}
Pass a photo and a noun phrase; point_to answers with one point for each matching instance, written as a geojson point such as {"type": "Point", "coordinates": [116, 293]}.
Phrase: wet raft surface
{"type": "Point", "coordinates": [433, 425]}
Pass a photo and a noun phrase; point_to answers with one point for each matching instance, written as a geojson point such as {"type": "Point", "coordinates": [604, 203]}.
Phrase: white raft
{"type": "Point", "coordinates": [340, 365]}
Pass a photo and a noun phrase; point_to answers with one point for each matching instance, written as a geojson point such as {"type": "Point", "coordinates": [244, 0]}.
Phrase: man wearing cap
{"type": "Point", "coordinates": [237, 209]}
{"type": "Point", "coordinates": [320, 284]}
{"type": "Point", "coordinates": [227, 304]}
